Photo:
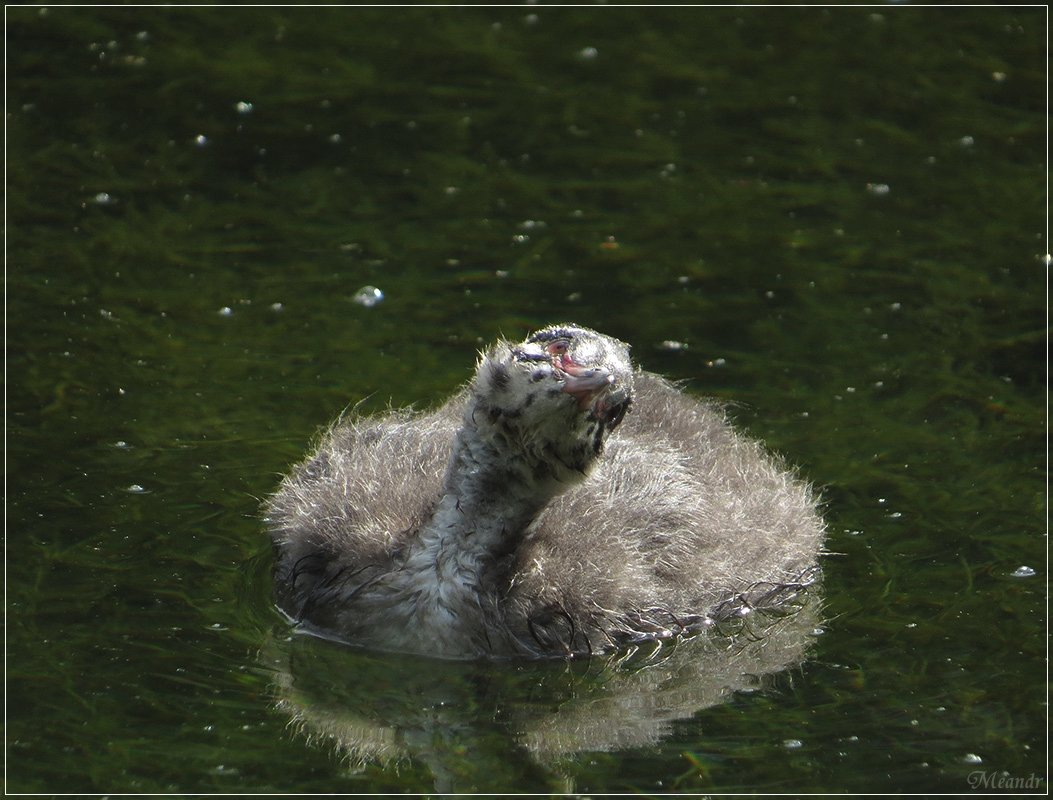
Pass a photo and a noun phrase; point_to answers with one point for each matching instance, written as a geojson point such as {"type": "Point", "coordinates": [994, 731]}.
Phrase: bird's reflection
{"type": "Point", "coordinates": [472, 723]}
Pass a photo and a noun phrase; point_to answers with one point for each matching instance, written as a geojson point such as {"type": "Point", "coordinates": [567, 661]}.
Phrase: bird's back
{"type": "Point", "coordinates": [680, 516]}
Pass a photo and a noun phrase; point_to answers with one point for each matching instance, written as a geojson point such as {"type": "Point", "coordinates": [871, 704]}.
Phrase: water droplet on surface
{"type": "Point", "coordinates": [243, 107]}
{"type": "Point", "coordinates": [368, 296]}
{"type": "Point", "coordinates": [878, 188]}
{"type": "Point", "coordinates": [226, 311]}
{"type": "Point", "coordinates": [201, 140]}
{"type": "Point", "coordinates": [972, 758]}
{"type": "Point", "coordinates": [967, 141]}
{"type": "Point", "coordinates": [103, 199]}
{"type": "Point", "coordinates": [588, 53]}
{"type": "Point", "coordinates": [793, 744]}
{"type": "Point", "coordinates": [135, 488]}
{"type": "Point", "coordinates": [1022, 572]}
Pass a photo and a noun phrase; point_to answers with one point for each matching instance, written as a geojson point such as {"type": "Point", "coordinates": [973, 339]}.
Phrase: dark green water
{"type": "Point", "coordinates": [840, 211]}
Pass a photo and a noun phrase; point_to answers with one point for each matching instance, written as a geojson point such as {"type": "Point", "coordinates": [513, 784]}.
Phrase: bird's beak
{"type": "Point", "coordinates": [584, 383]}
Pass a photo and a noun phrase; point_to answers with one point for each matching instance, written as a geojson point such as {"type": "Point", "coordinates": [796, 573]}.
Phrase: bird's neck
{"type": "Point", "coordinates": [491, 494]}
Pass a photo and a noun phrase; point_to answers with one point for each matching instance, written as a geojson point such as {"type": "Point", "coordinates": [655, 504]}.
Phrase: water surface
{"type": "Point", "coordinates": [832, 219]}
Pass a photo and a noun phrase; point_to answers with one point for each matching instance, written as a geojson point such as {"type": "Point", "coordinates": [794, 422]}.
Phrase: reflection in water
{"type": "Point", "coordinates": [470, 722]}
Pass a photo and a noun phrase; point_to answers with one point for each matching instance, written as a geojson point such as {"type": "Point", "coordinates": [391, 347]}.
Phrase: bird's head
{"type": "Point", "coordinates": [555, 397]}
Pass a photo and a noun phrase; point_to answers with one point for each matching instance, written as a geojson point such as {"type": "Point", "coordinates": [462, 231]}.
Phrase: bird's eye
{"type": "Point", "coordinates": [617, 413]}
{"type": "Point", "coordinates": [557, 348]}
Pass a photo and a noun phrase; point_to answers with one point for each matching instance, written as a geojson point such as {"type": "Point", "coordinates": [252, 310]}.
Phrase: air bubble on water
{"type": "Point", "coordinates": [972, 758]}
{"type": "Point", "coordinates": [135, 488]}
{"type": "Point", "coordinates": [672, 346]}
{"type": "Point", "coordinates": [103, 199]}
{"type": "Point", "coordinates": [1022, 572]}
{"type": "Point", "coordinates": [588, 53]}
{"type": "Point", "coordinates": [368, 296]}
{"type": "Point", "coordinates": [201, 140]}
{"type": "Point", "coordinates": [243, 107]}
{"type": "Point", "coordinates": [793, 744]}
{"type": "Point", "coordinates": [226, 311]}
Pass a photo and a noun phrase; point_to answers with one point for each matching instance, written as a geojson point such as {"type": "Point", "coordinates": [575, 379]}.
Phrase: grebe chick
{"type": "Point", "coordinates": [531, 515]}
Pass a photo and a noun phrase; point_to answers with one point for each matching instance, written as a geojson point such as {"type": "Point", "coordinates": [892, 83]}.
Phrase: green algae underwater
{"type": "Point", "coordinates": [832, 219]}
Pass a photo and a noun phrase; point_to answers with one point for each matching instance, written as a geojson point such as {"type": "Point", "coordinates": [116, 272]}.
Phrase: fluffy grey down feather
{"type": "Point", "coordinates": [677, 522]}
